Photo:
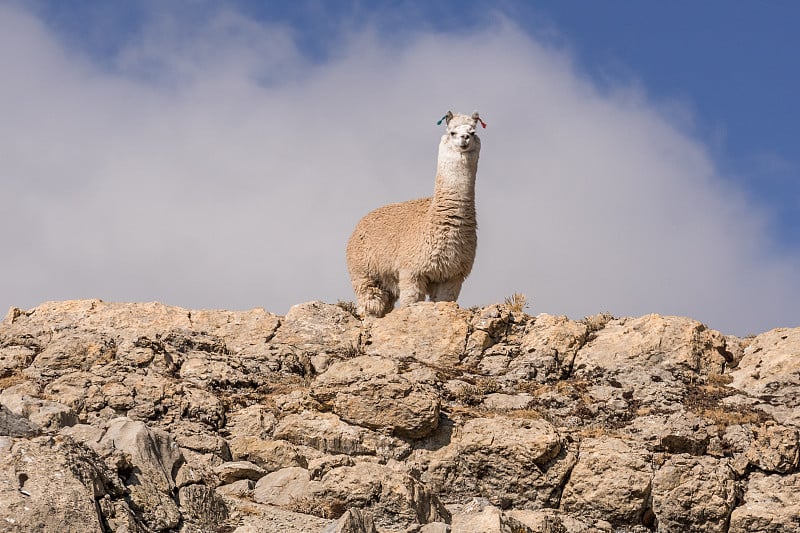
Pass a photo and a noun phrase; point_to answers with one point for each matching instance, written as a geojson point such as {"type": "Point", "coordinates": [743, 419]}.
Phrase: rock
{"type": "Point", "coordinates": [30, 470]}
{"type": "Point", "coordinates": [610, 482]}
{"type": "Point", "coordinates": [392, 496]}
{"type": "Point", "coordinates": [283, 487]}
{"type": "Point", "coordinates": [271, 455]}
{"type": "Point", "coordinates": [432, 333]}
{"type": "Point", "coordinates": [236, 470]}
{"type": "Point", "coordinates": [317, 327]}
{"type": "Point", "coordinates": [327, 433]}
{"type": "Point", "coordinates": [353, 521]}
{"type": "Point", "coordinates": [770, 371]}
{"type": "Point", "coordinates": [13, 425]}
{"type": "Point", "coordinates": [370, 391]}
{"type": "Point", "coordinates": [694, 494]}
{"type": "Point", "coordinates": [554, 521]}
{"type": "Point", "coordinates": [771, 505]}
{"type": "Point", "coordinates": [674, 342]}
{"type": "Point", "coordinates": [155, 418]}
{"type": "Point", "coordinates": [239, 489]}
{"type": "Point", "coordinates": [549, 347]}
{"type": "Point", "coordinates": [45, 415]}
{"type": "Point", "coordinates": [527, 461]}
{"type": "Point", "coordinates": [502, 402]}
{"type": "Point", "coordinates": [435, 527]}
{"type": "Point", "coordinates": [680, 432]}
{"type": "Point", "coordinates": [489, 519]}
{"type": "Point", "coordinates": [775, 449]}
{"type": "Point", "coordinates": [154, 458]}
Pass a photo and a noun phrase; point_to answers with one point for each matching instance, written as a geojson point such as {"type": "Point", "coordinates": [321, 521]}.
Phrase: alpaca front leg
{"type": "Point", "coordinates": [446, 291]}
{"type": "Point", "coordinates": [411, 290]}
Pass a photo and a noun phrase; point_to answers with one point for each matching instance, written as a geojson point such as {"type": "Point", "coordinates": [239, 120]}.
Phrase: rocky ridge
{"type": "Point", "coordinates": [144, 417]}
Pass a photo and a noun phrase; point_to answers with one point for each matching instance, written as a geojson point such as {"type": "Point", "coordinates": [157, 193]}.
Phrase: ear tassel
{"type": "Point", "coordinates": [483, 124]}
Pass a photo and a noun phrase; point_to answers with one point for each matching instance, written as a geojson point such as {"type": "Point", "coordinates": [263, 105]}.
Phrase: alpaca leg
{"type": "Point", "coordinates": [412, 290]}
{"type": "Point", "coordinates": [372, 299]}
{"type": "Point", "coordinates": [446, 291]}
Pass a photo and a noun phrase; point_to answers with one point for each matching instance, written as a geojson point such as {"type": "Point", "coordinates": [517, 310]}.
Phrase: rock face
{"type": "Point", "coordinates": [143, 417]}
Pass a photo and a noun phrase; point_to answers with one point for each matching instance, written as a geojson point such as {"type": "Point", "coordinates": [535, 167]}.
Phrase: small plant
{"type": "Point", "coordinates": [352, 350]}
{"type": "Point", "coordinates": [597, 322]}
{"type": "Point", "coordinates": [517, 302]}
{"type": "Point", "coordinates": [348, 306]}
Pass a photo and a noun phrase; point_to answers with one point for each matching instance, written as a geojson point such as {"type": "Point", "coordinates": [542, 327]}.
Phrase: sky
{"type": "Point", "coordinates": [640, 157]}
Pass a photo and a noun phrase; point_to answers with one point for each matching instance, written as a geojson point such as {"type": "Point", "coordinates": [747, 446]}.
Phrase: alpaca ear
{"type": "Point", "coordinates": [477, 118]}
{"type": "Point", "coordinates": [446, 118]}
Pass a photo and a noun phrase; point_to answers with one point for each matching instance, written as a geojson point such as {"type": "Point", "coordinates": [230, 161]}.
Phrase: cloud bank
{"type": "Point", "coordinates": [219, 168]}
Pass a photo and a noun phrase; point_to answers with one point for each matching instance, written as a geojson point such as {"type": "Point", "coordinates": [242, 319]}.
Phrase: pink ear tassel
{"type": "Point", "coordinates": [482, 123]}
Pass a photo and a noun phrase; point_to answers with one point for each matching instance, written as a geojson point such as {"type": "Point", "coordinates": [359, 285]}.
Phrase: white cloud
{"type": "Point", "coordinates": [217, 168]}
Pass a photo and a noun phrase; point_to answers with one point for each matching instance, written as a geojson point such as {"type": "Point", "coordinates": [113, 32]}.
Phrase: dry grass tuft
{"type": "Point", "coordinates": [348, 306]}
{"type": "Point", "coordinates": [517, 302]}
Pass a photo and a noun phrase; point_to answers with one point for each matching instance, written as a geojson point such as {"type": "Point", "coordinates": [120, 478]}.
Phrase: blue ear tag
{"type": "Point", "coordinates": [440, 120]}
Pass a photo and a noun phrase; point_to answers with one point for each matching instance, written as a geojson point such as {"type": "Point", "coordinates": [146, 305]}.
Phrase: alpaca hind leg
{"type": "Point", "coordinates": [446, 291]}
{"type": "Point", "coordinates": [412, 290]}
{"type": "Point", "coordinates": [372, 299]}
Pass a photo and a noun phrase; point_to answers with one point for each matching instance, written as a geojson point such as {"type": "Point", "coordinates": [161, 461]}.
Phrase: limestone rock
{"type": "Point", "coordinates": [391, 495]}
{"type": "Point", "coordinates": [526, 458]}
{"type": "Point", "coordinates": [30, 470]}
{"type": "Point", "coordinates": [328, 433]}
{"type": "Point", "coordinates": [770, 370]}
{"type": "Point", "coordinates": [549, 347]}
{"type": "Point", "coordinates": [154, 458]}
{"type": "Point", "coordinates": [271, 455]}
{"type": "Point", "coordinates": [148, 417]}
{"type": "Point", "coordinates": [771, 505]}
{"type": "Point", "coordinates": [282, 487]}
{"type": "Point", "coordinates": [317, 327]}
{"type": "Point", "coordinates": [775, 449]}
{"type": "Point", "coordinates": [370, 391]}
{"type": "Point", "coordinates": [13, 425]}
{"type": "Point", "coordinates": [353, 521]}
{"type": "Point", "coordinates": [489, 519]}
{"type": "Point", "coordinates": [610, 482]}
{"type": "Point", "coordinates": [694, 494]}
{"type": "Point", "coordinates": [433, 333]}
{"type": "Point", "coordinates": [236, 470]}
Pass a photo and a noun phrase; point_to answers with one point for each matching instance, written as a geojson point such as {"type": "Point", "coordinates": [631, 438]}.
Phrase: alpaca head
{"type": "Point", "coordinates": [461, 135]}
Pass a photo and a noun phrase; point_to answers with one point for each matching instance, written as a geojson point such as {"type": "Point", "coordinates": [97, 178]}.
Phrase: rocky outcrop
{"type": "Point", "coordinates": [145, 417]}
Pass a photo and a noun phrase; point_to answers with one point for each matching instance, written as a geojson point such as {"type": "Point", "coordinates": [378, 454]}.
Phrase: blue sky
{"type": "Point", "coordinates": [645, 157]}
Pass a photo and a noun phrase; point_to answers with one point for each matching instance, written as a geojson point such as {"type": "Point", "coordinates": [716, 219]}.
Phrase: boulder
{"type": "Point", "coordinates": [694, 494]}
{"type": "Point", "coordinates": [370, 391]}
{"type": "Point", "coordinates": [770, 371]}
{"type": "Point", "coordinates": [432, 333]}
{"type": "Point", "coordinates": [327, 433]}
{"type": "Point", "coordinates": [610, 482]}
{"type": "Point", "coordinates": [771, 504]}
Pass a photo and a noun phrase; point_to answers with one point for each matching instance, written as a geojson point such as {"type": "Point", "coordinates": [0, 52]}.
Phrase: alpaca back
{"type": "Point", "coordinates": [387, 238]}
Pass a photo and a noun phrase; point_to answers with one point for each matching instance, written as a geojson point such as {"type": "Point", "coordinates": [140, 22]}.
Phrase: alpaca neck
{"type": "Point", "coordinates": [454, 196]}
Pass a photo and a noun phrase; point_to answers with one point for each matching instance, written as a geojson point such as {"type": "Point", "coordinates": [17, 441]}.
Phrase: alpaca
{"type": "Point", "coordinates": [423, 247]}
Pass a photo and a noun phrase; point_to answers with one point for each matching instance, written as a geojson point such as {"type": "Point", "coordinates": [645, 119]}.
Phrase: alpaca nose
{"type": "Point", "coordinates": [464, 138]}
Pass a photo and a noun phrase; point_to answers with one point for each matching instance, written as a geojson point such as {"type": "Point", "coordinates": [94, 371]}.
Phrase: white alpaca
{"type": "Point", "coordinates": [426, 246]}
